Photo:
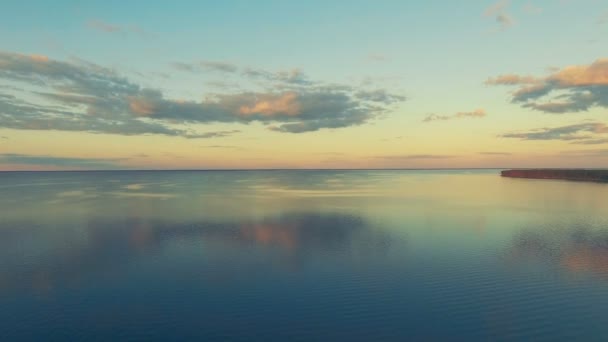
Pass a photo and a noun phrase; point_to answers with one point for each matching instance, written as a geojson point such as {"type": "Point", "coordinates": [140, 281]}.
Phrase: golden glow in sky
{"type": "Point", "coordinates": [391, 85]}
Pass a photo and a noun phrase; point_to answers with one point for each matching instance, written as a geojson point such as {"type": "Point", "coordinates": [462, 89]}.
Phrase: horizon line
{"type": "Point", "coordinates": [311, 169]}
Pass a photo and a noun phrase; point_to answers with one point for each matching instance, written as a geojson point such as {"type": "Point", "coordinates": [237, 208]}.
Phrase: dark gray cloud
{"type": "Point", "coordinates": [81, 96]}
{"type": "Point", "coordinates": [25, 159]}
{"type": "Point", "coordinates": [572, 89]}
{"type": "Point", "coordinates": [580, 133]}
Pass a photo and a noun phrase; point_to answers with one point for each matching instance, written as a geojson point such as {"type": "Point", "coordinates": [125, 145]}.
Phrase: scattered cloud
{"type": "Point", "coordinates": [530, 8]}
{"type": "Point", "coordinates": [222, 146]}
{"type": "Point", "coordinates": [504, 20]}
{"type": "Point", "coordinates": [511, 79]}
{"type": "Point", "coordinates": [599, 141]}
{"type": "Point", "coordinates": [103, 26]}
{"type": "Point", "coordinates": [379, 95]}
{"type": "Point", "coordinates": [106, 27]}
{"type": "Point", "coordinates": [332, 153]}
{"type": "Point", "coordinates": [393, 138]}
{"type": "Point", "coordinates": [280, 104]}
{"type": "Point", "coordinates": [587, 153]}
{"type": "Point", "coordinates": [603, 19]}
{"type": "Point", "coordinates": [571, 89]}
{"type": "Point", "coordinates": [498, 11]}
{"type": "Point", "coordinates": [81, 96]}
{"type": "Point", "coordinates": [415, 156]}
{"type": "Point", "coordinates": [3, 137]}
{"type": "Point", "coordinates": [291, 76]}
{"type": "Point", "coordinates": [219, 66]}
{"type": "Point", "coordinates": [584, 133]}
{"type": "Point", "coordinates": [216, 66]}
{"type": "Point", "coordinates": [376, 57]}
{"type": "Point", "coordinates": [25, 159]}
{"type": "Point", "coordinates": [477, 113]}
{"type": "Point", "coordinates": [219, 134]}
{"type": "Point", "coordinates": [496, 153]}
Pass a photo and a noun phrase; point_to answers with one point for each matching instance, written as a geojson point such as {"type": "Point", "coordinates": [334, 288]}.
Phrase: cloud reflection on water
{"type": "Point", "coordinates": [40, 260]}
{"type": "Point", "coordinates": [575, 248]}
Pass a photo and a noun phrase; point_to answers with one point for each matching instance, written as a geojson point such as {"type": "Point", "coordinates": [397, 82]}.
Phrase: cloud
{"type": "Point", "coordinates": [499, 13]}
{"type": "Point", "coordinates": [25, 159]}
{"type": "Point", "coordinates": [332, 153]}
{"type": "Point", "coordinates": [603, 19]}
{"type": "Point", "coordinates": [3, 137]}
{"type": "Point", "coordinates": [207, 66]}
{"type": "Point", "coordinates": [281, 104]}
{"type": "Point", "coordinates": [511, 79]}
{"type": "Point", "coordinates": [222, 146]}
{"type": "Point", "coordinates": [105, 27]}
{"type": "Point", "coordinates": [571, 89]}
{"type": "Point", "coordinates": [81, 96]}
{"type": "Point", "coordinates": [379, 95]}
{"type": "Point", "coordinates": [587, 153]}
{"type": "Point", "coordinates": [584, 133]}
{"type": "Point", "coordinates": [415, 156]}
{"type": "Point", "coordinates": [219, 134]}
{"type": "Point", "coordinates": [504, 20]}
{"type": "Point", "coordinates": [219, 66]}
{"type": "Point", "coordinates": [532, 9]}
{"type": "Point", "coordinates": [477, 113]}
{"type": "Point", "coordinates": [376, 57]}
{"type": "Point", "coordinates": [599, 141]}
{"type": "Point", "coordinates": [496, 153]}
{"type": "Point", "coordinates": [291, 76]}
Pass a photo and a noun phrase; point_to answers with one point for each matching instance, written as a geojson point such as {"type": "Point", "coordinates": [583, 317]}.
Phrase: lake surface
{"type": "Point", "coordinates": [308, 255]}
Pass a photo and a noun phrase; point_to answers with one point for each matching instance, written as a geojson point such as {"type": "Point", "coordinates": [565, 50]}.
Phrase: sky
{"type": "Point", "coordinates": [303, 84]}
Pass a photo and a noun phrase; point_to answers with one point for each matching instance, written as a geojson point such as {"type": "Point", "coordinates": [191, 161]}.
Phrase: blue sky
{"type": "Point", "coordinates": [433, 57]}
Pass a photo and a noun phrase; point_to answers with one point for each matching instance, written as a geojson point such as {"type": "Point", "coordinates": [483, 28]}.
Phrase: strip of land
{"type": "Point", "coordinates": [566, 174]}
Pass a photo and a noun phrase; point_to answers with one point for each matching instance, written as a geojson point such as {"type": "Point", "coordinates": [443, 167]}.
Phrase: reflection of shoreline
{"type": "Point", "coordinates": [109, 246]}
{"type": "Point", "coordinates": [576, 249]}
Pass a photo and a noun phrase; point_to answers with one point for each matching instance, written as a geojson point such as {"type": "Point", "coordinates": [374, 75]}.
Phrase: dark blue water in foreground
{"type": "Point", "coordinates": [309, 255]}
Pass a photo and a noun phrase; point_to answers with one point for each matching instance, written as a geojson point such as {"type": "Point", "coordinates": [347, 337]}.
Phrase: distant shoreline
{"type": "Point", "coordinates": [312, 169]}
{"type": "Point", "coordinates": [585, 175]}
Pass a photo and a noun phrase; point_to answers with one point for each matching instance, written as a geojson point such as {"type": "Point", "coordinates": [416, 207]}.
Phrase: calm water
{"type": "Point", "coordinates": [350, 255]}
